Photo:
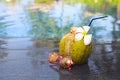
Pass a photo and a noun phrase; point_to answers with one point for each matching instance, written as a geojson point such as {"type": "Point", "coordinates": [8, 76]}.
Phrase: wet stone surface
{"type": "Point", "coordinates": [27, 59]}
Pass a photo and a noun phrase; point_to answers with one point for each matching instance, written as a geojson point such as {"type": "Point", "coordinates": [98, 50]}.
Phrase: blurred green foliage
{"type": "Point", "coordinates": [44, 1]}
{"type": "Point", "coordinates": [93, 2]}
{"type": "Point", "coordinates": [104, 6]}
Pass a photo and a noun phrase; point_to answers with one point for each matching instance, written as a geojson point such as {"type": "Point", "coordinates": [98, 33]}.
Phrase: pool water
{"type": "Point", "coordinates": [32, 19]}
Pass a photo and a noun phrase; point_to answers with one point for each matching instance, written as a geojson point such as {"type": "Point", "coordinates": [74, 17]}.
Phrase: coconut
{"type": "Point", "coordinates": [77, 44]}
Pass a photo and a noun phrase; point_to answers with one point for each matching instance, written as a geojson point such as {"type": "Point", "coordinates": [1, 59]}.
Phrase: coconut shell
{"type": "Point", "coordinates": [78, 51]}
{"type": "Point", "coordinates": [65, 45]}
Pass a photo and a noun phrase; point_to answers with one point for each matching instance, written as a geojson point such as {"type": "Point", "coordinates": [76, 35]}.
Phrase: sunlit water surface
{"type": "Point", "coordinates": [40, 20]}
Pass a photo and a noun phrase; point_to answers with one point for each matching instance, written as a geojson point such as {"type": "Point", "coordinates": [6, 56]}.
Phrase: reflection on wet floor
{"type": "Point", "coordinates": [28, 60]}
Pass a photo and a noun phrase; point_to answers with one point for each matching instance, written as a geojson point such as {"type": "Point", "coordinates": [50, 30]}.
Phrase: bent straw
{"type": "Point", "coordinates": [96, 18]}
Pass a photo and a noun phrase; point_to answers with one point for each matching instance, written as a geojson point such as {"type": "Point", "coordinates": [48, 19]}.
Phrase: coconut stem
{"type": "Point", "coordinates": [96, 18]}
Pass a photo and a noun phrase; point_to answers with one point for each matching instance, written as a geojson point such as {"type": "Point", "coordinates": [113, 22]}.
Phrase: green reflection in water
{"type": "Point", "coordinates": [45, 27]}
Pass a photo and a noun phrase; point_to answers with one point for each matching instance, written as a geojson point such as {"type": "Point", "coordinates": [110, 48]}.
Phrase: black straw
{"type": "Point", "coordinates": [96, 18]}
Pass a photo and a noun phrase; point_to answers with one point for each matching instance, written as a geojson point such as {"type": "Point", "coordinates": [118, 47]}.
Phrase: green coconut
{"type": "Point", "coordinates": [80, 52]}
{"type": "Point", "coordinates": [77, 50]}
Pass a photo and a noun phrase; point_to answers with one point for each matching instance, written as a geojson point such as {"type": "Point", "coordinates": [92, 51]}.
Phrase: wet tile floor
{"type": "Point", "coordinates": [27, 59]}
